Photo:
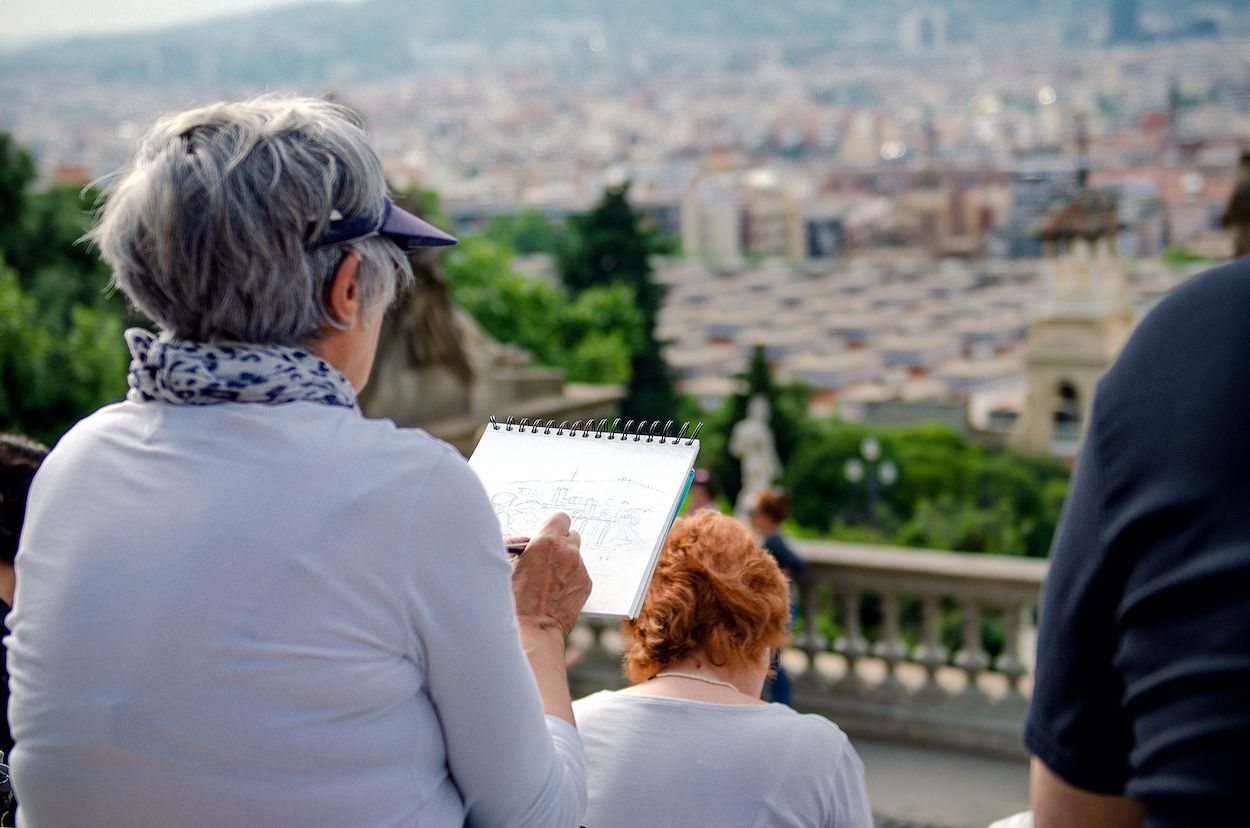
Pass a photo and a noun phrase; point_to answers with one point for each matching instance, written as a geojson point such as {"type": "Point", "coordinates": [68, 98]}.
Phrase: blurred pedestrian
{"type": "Point", "coordinates": [768, 510]}
{"type": "Point", "coordinates": [703, 493]}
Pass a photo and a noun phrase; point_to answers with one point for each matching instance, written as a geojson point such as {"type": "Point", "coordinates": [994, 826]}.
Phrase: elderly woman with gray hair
{"type": "Point", "coordinates": [239, 601]}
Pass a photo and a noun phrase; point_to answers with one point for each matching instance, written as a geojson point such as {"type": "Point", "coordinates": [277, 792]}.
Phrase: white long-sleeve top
{"type": "Point", "coordinates": [244, 614]}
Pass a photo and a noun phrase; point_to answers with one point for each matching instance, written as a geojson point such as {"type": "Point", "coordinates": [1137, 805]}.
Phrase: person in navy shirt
{"type": "Point", "coordinates": [767, 512]}
{"type": "Point", "coordinates": [1141, 701]}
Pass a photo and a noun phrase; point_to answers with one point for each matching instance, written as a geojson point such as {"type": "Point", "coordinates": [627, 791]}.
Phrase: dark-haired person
{"type": "Point", "coordinates": [690, 743]}
{"type": "Point", "coordinates": [239, 601]}
{"type": "Point", "coordinates": [769, 509]}
{"type": "Point", "coordinates": [19, 460]}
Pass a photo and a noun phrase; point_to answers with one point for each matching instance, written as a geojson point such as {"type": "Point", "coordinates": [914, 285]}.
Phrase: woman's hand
{"type": "Point", "coordinates": [549, 581]}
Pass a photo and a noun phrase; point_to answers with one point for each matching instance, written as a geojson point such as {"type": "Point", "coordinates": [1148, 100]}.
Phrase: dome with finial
{"type": "Point", "coordinates": [1089, 215]}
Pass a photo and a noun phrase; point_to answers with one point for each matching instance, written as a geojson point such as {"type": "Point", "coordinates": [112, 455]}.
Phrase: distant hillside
{"type": "Point", "coordinates": [318, 42]}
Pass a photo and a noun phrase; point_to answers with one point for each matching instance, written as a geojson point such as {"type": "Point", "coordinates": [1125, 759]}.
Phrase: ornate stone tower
{"type": "Point", "coordinates": [1084, 321]}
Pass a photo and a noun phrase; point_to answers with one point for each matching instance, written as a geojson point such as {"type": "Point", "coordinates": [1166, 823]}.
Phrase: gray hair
{"type": "Point", "coordinates": [207, 229]}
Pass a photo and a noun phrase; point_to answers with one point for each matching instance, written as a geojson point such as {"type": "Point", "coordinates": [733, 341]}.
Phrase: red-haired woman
{"type": "Point", "coordinates": [690, 743]}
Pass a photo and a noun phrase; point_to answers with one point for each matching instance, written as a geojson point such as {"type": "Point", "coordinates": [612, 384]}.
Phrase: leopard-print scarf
{"type": "Point", "coordinates": [198, 373]}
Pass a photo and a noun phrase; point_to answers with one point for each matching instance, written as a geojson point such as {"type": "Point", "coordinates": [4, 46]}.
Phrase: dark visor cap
{"type": "Point", "coordinates": [397, 224]}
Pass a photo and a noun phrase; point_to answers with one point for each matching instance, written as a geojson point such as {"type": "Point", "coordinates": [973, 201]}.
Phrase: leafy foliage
{"type": "Point", "coordinates": [610, 245]}
{"type": "Point", "coordinates": [528, 231]}
{"type": "Point", "coordinates": [51, 376]}
{"type": "Point", "coordinates": [17, 171]}
{"type": "Point", "coordinates": [950, 494]}
{"type": "Point", "coordinates": [599, 324]}
{"type": "Point", "coordinates": [592, 336]}
{"type": "Point", "coordinates": [1179, 256]}
{"type": "Point", "coordinates": [61, 348]}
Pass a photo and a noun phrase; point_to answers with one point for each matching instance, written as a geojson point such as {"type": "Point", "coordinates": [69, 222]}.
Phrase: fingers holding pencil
{"type": "Point", "coordinates": [549, 581]}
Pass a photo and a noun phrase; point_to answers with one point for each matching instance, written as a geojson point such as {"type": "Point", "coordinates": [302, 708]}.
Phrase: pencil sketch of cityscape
{"type": "Point", "coordinates": [608, 514]}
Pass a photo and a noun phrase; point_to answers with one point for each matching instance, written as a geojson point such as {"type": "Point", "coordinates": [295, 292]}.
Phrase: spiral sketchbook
{"type": "Point", "coordinates": [621, 486]}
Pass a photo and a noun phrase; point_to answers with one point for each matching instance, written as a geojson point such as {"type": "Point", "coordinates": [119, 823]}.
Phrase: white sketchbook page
{"type": "Point", "coordinates": [621, 494]}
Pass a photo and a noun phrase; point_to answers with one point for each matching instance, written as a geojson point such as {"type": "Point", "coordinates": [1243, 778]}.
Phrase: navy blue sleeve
{"type": "Point", "coordinates": [1142, 683]}
{"type": "Point", "coordinates": [787, 558]}
{"type": "Point", "coordinates": [1075, 724]}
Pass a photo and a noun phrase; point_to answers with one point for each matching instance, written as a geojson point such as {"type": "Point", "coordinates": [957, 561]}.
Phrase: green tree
{"type": "Point", "coordinates": [61, 348]}
{"type": "Point", "coordinates": [600, 331]}
{"type": "Point", "coordinates": [609, 245]}
{"type": "Point", "coordinates": [529, 231]}
{"type": "Point", "coordinates": [950, 493]}
{"type": "Point", "coordinates": [592, 336]}
{"type": "Point", "coordinates": [17, 172]}
{"type": "Point", "coordinates": [650, 393]}
{"type": "Point", "coordinates": [821, 495]}
{"type": "Point", "coordinates": [60, 269]}
{"type": "Point", "coordinates": [51, 378]}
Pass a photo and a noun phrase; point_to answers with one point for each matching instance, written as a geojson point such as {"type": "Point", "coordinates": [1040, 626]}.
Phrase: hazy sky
{"type": "Point", "coordinates": [27, 20]}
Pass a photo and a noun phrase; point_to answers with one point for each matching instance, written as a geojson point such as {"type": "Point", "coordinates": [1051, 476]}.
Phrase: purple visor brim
{"type": "Point", "coordinates": [397, 224]}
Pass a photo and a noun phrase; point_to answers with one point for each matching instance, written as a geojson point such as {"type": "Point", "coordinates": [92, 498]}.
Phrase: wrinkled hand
{"type": "Point", "coordinates": [549, 581]}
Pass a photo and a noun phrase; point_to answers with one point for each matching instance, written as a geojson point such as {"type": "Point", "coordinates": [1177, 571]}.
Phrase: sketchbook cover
{"type": "Point", "coordinates": [621, 493]}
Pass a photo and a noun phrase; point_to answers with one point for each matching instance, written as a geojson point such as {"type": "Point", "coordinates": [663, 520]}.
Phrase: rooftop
{"type": "Point", "coordinates": [1090, 215]}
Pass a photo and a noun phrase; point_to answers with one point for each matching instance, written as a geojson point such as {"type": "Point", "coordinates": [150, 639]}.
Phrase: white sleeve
{"type": "Point", "coordinates": [851, 807]}
{"type": "Point", "coordinates": [512, 765]}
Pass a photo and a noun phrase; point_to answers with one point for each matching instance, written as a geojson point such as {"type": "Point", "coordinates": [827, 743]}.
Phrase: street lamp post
{"type": "Point", "coordinates": [874, 472]}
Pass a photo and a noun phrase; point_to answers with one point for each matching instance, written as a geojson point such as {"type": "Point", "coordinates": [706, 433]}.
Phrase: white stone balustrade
{"type": "Point", "coordinates": [889, 643]}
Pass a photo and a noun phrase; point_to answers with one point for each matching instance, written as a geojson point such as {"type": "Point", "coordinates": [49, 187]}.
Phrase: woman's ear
{"type": "Point", "coordinates": [343, 292]}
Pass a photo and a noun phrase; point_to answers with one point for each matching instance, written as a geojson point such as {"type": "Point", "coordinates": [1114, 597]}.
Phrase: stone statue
{"type": "Point", "coordinates": [752, 443]}
{"type": "Point", "coordinates": [1237, 215]}
{"type": "Point", "coordinates": [424, 367]}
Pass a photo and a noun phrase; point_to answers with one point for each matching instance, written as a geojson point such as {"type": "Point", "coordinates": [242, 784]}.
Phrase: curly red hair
{"type": "Point", "coordinates": [714, 590]}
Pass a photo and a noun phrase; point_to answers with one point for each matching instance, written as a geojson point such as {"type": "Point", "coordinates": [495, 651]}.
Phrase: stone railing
{"type": "Point", "coordinates": [891, 643]}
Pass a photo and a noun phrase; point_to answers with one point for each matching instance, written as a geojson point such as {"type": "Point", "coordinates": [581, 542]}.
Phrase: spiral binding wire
{"type": "Point", "coordinates": [648, 430]}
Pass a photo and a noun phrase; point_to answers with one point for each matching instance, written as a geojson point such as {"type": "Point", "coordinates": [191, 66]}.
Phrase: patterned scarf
{"type": "Point", "coordinates": [198, 373]}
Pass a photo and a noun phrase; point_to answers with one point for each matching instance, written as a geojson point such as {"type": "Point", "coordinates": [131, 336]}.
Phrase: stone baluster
{"type": "Point", "coordinates": [930, 654]}
{"type": "Point", "coordinates": [852, 645]}
{"type": "Point", "coordinates": [811, 641]}
{"type": "Point", "coordinates": [972, 658]}
{"type": "Point", "coordinates": [1009, 663]}
{"type": "Point", "coordinates": [890, 648]}
{"type": "Point", "coordinates": [597, 652]}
